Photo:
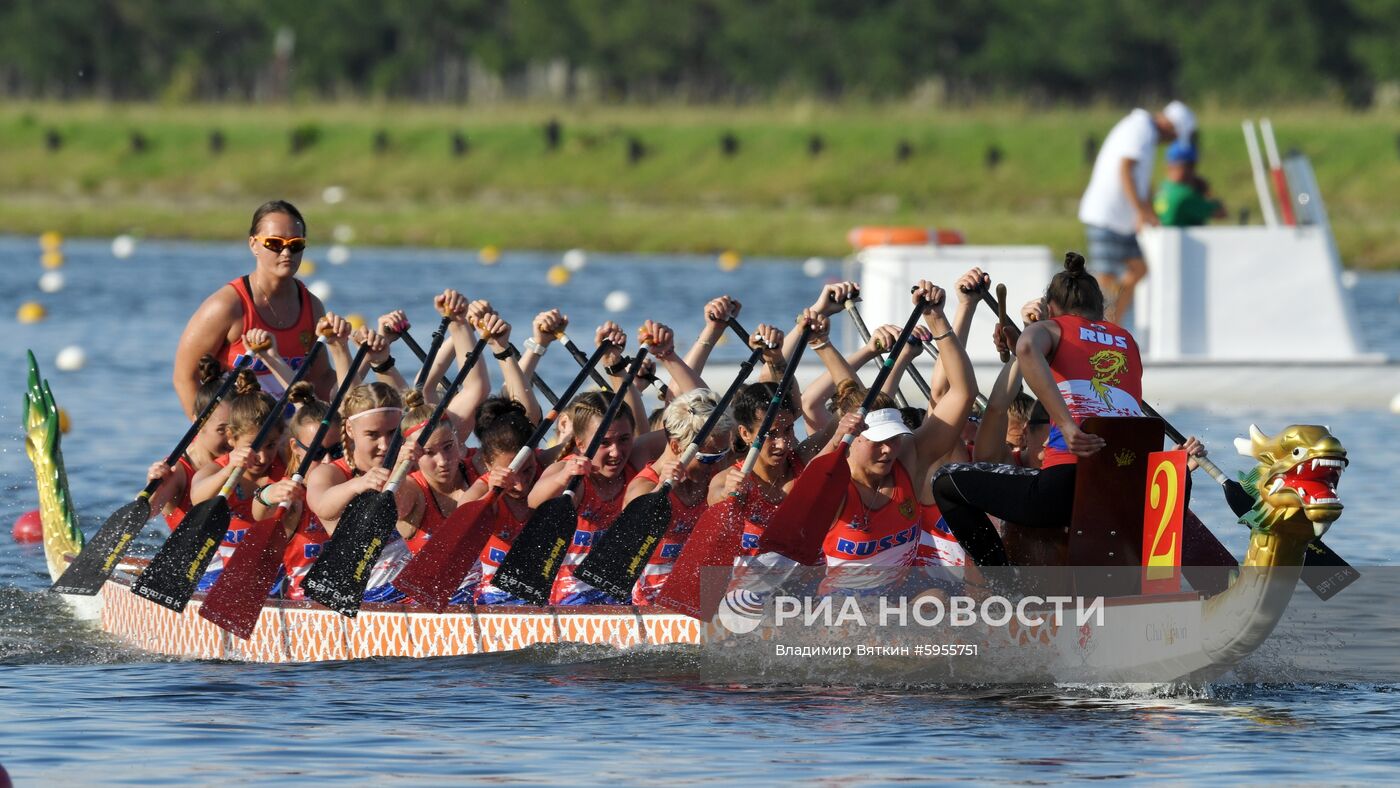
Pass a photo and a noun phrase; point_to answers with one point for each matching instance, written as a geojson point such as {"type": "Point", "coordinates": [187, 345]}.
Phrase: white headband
{"type": "Point", "coordinates": [373, 411]}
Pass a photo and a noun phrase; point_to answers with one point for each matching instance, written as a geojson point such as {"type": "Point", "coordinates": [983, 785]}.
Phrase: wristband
{"type": "Point", "coordinates": [617, 369]}
{"type": "Point", "coordinates": [705, 342]}
{"type": "Point", "coordinates": [257, 496]}
{"type": "Point", "coordinates": [385, 367]}
{"type": "Point", "coordinates": [531, 346]}
{"type": "Point", "coordinates": [503, 355]}
{"type": "Point", "coordinates": [823, 344]}
{"type": "Point", "coordinates": [944, 335]}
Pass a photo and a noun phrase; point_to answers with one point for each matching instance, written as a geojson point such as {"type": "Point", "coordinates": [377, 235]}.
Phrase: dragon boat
{"type": "Point", "coordinates": [1175, 635]}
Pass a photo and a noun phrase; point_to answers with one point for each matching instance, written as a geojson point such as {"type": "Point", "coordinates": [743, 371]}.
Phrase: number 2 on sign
{"type": "Point", "coordinates": [1161, 526]}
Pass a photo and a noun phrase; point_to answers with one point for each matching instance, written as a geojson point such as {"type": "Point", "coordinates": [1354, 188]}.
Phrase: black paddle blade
{"type": "Point", "coordinates": [534, 559]}
{"type": "Point", "coordinates": [337, 579]}
{"type": "Point", "coordinates": [1325, 572]}
{"type": "Point", "coordinates": [1238, 498]}
{"type": "Point", "coordinates": [173, 574]}
{"type": "Point", "coordinates": [615, 562]}
{"type": "Point", "coordinates": [91, 567]}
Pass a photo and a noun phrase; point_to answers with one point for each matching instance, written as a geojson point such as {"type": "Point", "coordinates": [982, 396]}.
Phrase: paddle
{"type": "Point", "coordinates": [337, 579]}
{"type": "Point", "coordinates": [716, 540]}
{"type": "Point", "coordinates": [798, 526]}
{"type": "Point", "coordinates": [173, 573]}
{"type": "Point", "coordinates": [534, 558]}
{"type": "Point", "coordinates": [431, 353]}
{"type": "Point", "coordinates": [94, 564]}
{"type": "Point", "coordinates": [437, 343]}
{"type": "Point", "coordinates": [618, 557]}
{"type": "Point", "coordinates": [1004, 355]}
{"type": "Point", "coordinates": [444, 561]}
{"type": "Point", "coordinates": [1321, 558]}
{"type": "Point", "coordinates": [864, 333]}
{"type": "Point", "coordinates": [236, 599]}
{"type": "Point", "coordinates": [582, 360]}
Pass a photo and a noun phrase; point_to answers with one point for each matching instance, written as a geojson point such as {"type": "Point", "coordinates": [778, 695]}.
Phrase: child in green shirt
{"type": "Point", "coordinates": [1184, 199]}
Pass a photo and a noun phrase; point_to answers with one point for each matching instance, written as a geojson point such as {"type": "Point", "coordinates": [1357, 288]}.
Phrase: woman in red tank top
{"type": "Point", "coordinates": [270, 298]}
{"type": "Point", "coordinates": [247, 411]}
{"type": "Point", "coordinates": [172, 498]}
{"type": "Point", "coordinates": [1077, 365]}
{"type": "Point", "coordinates": [501, 440]}
{"type": "Point", "coordinates": [875, 536]}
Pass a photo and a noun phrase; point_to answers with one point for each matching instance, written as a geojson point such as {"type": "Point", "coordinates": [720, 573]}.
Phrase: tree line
{"type": "Point", "coordinates": [1039, 51]}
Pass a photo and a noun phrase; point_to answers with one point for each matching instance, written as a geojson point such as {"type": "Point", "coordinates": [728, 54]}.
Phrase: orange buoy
{"type": "Point", "coordinates": [29, 527]}
{"type": "Point", "coordinates": [863, 237]}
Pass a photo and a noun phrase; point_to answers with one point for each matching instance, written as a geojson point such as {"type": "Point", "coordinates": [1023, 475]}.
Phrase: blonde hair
{"type": "Point", "coordinates": [688, 413]}
{"type": "Point", "coordinates": [358, 400]}
{"type": "Point", "coordinates": [850, 394]}
{"type": "Point", "coordinates": [309, 409]}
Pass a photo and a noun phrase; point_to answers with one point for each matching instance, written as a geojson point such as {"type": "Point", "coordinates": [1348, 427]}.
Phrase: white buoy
{"type": "Point", "coordinates": [814, 267]}
{"type": "Point", "coordinates": [617, 301]}
{"type": "Point", "coordinates": [575, 259]}
{"type": "Point", "coordinates": [123, 246]}
{"type": "Point", "coordinates": [320, 288]}
{"type": "Point", "coordinates": [333, 194]}
{"type": "Point", "coordinates": [343, 234]}
{"type": "Point", "coordinates": [51, 281]}
{"type": "Point", "coordinates": [338, 254]}
{"type": "Point", "coordinates": [70, 359]}
{"type": "Point", "coordinates": [1349, 279]}
{"type": "Point", "coordinates": [1395, 404]}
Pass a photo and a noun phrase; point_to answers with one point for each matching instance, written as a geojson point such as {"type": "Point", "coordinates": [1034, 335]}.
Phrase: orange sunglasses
{"type": "Point", "coordinates": [276, 243]}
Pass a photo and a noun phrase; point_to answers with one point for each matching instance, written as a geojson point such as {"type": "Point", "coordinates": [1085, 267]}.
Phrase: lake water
{"type": "Point", "coordinates": [77, 708]}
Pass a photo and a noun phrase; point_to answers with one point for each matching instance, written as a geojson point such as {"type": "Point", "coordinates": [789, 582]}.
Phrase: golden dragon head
{"type": "Point", "coordinates": [1297, 473]}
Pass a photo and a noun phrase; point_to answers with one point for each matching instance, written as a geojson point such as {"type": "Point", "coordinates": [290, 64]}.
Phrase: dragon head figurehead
{"type": "Point", "coordinates": [1297, 475]}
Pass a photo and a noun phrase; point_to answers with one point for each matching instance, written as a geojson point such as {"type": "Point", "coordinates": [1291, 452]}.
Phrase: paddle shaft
{"type": "Point", "coordinates": [431, 424]}
{"type": "Point", "coordinates": [775, 405]}
{"type": "Point", "coordinates": [536, 379]}
{"type": "Point", "coordinates": [886, 367]}
{"type": "Point", "coordinates": [582, 360]}
{"type": "Point", "coordinates": [864, 333]}
{"type": "Point", "coordinates": [424, 358]}
{"type": "Point", "coordinates": [721, 408]}
{"type": "Point", "coordinates": [275, 417]}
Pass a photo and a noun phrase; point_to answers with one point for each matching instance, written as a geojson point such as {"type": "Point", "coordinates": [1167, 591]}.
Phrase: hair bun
{"type": "Point", "coordinates": [412, 398]}
{"type": "Point", "coordinates": [208, 369]}
{"type": "Point", "coordinates": [301, 393]}
{"type": "Point", "coordinates": [1074, 262]}
{"type": "Point", "coordinates": [247, 382]}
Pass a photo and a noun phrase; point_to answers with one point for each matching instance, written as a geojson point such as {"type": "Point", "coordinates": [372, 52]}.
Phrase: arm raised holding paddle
{"type": "Point", "coordinates": [717, 314]}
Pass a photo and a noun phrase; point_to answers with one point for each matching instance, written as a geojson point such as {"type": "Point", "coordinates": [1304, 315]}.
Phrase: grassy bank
{"type": "Point", "coordinates": [770, 197]}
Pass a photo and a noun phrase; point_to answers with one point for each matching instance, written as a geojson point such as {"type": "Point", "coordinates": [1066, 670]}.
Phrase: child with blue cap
{"type": "Point", "coordinates": [1184, 199]}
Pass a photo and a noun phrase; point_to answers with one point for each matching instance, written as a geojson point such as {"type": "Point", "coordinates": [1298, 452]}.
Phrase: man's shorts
{"type": "Point", "coordinates": [1110, 251]}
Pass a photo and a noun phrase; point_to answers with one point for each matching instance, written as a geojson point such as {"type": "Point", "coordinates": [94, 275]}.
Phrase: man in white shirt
{"type": "Point", "coordinates": [1118, 201]}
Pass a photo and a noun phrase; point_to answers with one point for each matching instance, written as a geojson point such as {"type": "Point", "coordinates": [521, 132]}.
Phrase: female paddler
{"type": "Point", "coordinates": [873, 537]}
{"type": "Point", "coordinates": [620, 456]}
{"type": "Point", "coordinates": [172, 498]}
{"type": "Point", "coordinates": [1054, 356]}
{"type": "Point", "coordinates": [270, 298]}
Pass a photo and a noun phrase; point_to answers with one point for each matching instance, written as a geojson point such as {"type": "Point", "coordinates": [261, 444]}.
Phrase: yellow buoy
{"type": "Point", "coordinates": [308, 268]}
{"type": "Point", "coordinates": [50, 240]}
{"type": "Point", "coordinates": [558, 275]}
{"type": "Point", "coordinates": [31, 312]}
{"type": "Point", "coordinates": [356, 321]}
{"type": "Point", "coordinates": [52, 259]}
{"type": "Point", "coordinates": [63, 422]}
{"type": "Point", "coordinates": [729, 260]}
{"type": "Point", "coordinates": [489, 255]}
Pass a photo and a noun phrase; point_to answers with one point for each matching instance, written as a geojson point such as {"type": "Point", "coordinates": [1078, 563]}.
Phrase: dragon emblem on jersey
{"type": "Point", "coordinates": [1295, 482]}
{"type": "Point", "coordinates": [1108, 367]}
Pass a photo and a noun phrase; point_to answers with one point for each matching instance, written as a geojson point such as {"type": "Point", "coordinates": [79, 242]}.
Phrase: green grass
{"type": "Point", "coordinates": [772, 198]}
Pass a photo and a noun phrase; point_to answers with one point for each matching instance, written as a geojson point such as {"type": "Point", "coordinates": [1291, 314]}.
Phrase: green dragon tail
{"type": "Point", "coordinates": [41, 426]}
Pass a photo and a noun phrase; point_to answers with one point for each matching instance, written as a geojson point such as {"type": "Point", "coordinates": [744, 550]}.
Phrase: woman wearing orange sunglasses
{"type": "Point", "coordinates": [270, 298]}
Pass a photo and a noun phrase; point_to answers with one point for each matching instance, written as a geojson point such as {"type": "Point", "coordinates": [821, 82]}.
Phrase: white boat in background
{"type": "Point", "coordinates": [1246, 315]}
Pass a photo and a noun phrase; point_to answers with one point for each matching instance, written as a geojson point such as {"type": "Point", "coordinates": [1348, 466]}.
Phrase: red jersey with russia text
{"type": "Point", "coordinates": [1099, 373]}
{"type": "Point", "coordinates": [758, 510]}
{"type": "Point", "coordinates": [937, 545]}
{"type": "Point", "coordinates": [291, 342]}
{"type": "Point", "coordinates": [240, 506]}
{"type": "Point", "coordinates": [594, 517]}
{"type": "Point", "coordinates": [863, 542]}
{"type": "Point", "coordinates": [433, 515]}
{"type": "Point", "coordinates": [663, 557]}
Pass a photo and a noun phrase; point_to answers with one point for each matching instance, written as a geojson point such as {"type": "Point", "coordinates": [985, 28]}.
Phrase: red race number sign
{"type": "Point", "coordinates": [1163, 509]}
